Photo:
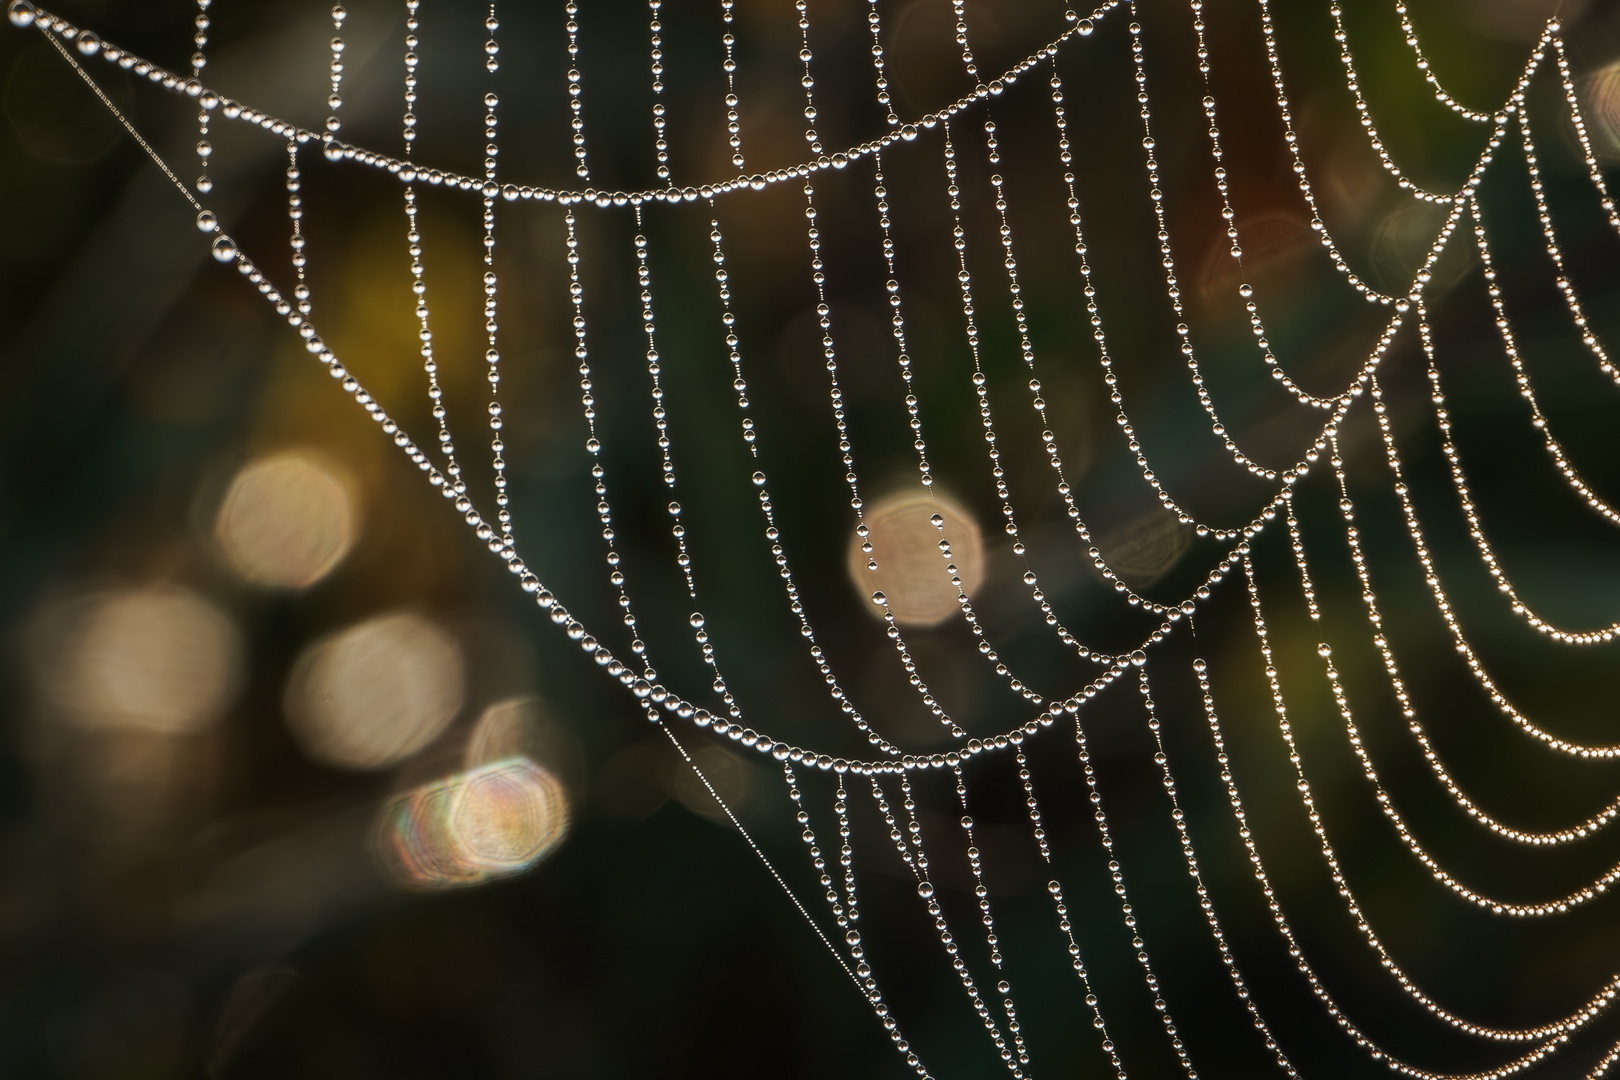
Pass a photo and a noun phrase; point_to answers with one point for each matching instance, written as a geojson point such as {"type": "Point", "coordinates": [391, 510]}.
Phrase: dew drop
{"type": "Point", "coordinates": [206, 221]}
{"type": "Point", "coordinates": [224, 249]}
{"type": "Point", "coordinates": [88, 43]}
{"type": "Point", "coordinates": [21, 13]}
{"type": "Point", "coordinates": [925, 889]}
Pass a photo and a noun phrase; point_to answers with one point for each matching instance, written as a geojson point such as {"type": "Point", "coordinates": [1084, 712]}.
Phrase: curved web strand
{"type": "Point", "coordinates": [1245, 290]}
{"type": "Point", "coordinates": [910, 847]}
{"type": "Point", "coordinates": [1353, 81]}
{"type": "Point", "coordinates": [1549, 37]}
{"type": "Point", "coordinates": [845, 909]}
{"type": "Point", "coordinates": [1229, 960]}
{"type": "Point", "coordinates": [1476, 527]}
{"type": "Point", "coordinates": [1167, 259]}
{"type": "Point", "coordinates": [981, 389]}
{"type": "Point", "coordinates": [1538, 420]}
{"type": "Point", "coordinates": [1409, 711]}
{"type": "Point", "coordinates": [751, 436]}
{"type": "Point", "coordinates": [1571, 299]}
{"type": "Point", "coordinates": [1448, 615]}
{"type": "Point", "coordinates": [1126, 911]}
{"type": "Point", "coordinates": [1065, 926]}
{"type": "Point", "coordinates": [1539, 909]}
{"type": "Point", "coordinates": [1424, 66]}
{"type": "Point", "coordinates": [1543, 1033]}
{"type": "Point", "coordinates": [1578, 117]}
{"type": "Point", "coordinates": [1049, 441]}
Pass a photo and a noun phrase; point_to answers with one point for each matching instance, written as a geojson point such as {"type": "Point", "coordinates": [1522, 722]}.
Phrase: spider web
{"type": "Point", "coordinates": [855, 785]}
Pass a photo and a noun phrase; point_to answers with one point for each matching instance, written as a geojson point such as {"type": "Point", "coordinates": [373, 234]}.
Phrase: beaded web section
{"type": "Point", "coordinates": [858, 793]}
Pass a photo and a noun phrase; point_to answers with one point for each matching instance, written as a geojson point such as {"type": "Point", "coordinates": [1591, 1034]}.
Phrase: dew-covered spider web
{"type": "Point", "coordinates": [1191, 527]}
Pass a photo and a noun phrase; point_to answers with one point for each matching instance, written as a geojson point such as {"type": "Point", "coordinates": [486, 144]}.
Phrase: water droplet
{"type": "Point", "coordinates": [224, 249]}
{"type": "Point", "coordinates": [206, 221]}
{"type": "Point", "coordinates": [88, 43]}
{"type": "Point", "coordinates": [1138, 657]}
{"type": "Point", "coordinates": [925, 889]}
{"type": "Point", "coordinates": [696, 620]}
{"type": "Point", "coordinates": [21, 13]}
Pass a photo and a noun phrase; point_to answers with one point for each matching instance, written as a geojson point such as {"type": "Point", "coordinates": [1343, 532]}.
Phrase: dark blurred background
{"type": "Point", "coordinates": [294, 781]}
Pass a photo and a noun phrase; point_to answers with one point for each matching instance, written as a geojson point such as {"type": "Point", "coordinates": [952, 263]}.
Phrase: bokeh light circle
{"type": "Point", "coordinates": [286, 520]}
{"type": "Point", "coordinates": [490, 821]}
{"type": "Point", "coordinates": [376, 693]}
{"type": "Point", "coordinates": [160, 659]}
{"type": "Point", "coordinates": [911, 572]}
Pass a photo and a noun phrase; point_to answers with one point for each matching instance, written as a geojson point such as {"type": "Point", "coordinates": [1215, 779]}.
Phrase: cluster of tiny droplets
{"type": "Point", "coordinates": [659, 413]}
{"type": "Point", "coordinates": [986, 419]}
{"type": "Point", "coordinates": [733, 118]}
{"type": "Point", "coordinates": [810, 137]}
{"type": "Point", "coordinates": [412, 25]}
{"type": "Point", "coordinates": [1049, 440]}
{"type": "Point", "coordinates": [1548, 230]}
{"type": "Point", "coordinates": [502, 544]}
{"type": "Point", "coordinates": [1114, 395]}
{"type": "Point", "coordinates": [1066, 158]}
{"type": "Point", "coordinates": [1522, 377]}
{"type": "Point", "coordinates": [660, 142]}
{"type": "Point", "coordinates": [1126, 911]}
{"type": "Point", "coordinates": [1297, 542]}
{"type": "Point", "coordinates": [575, 106]}
{"type": "Point", "coordinates": [1440, 94]}
{"type": "Point", "coordinates": [1173, 284]}
{"type": "Point", "coordinates": [1206, 903]}
{"type": "Point", "coordinates": [1257, 866]}
{"type": "Point", "coordinates": [1078, 963]}
{"type": "Point", "coordinates": [1476, 528]}
{"type": "Point", "coordinates": [413, 238]}
{"type": "Point", "coordinates": [1449, 615]}
{"type": "Point", "coordinates": [910, 846]}
{"type": "Point", "coordinates": [1409, 711]}
{"type": "Point", "coordinates": [912, 404]}
{"type": "Point", "coordinates": [295, 214]}
{"type": "Point", "coordinates": [960, 7]}
{"type": "Point", "coordinates": [772, 533]}
{"type": "Point", "coordinates": [593, 446]}
{"type": "Point", "coordinates": [845, 910]}
{"type": "Point", "coordinates": [1387, 805]}
{"type": "Point", "coordinates": [1245, 290]}
{"type": "Point", "coordinates": [981, 892]}
{"type": "Point", "coordinates": [1274, 59]}
{"type": "Point", "coordinates": [1353, 81]}
{"type": "Point", "coordinates": [199, 60]}
{"type": "Point", "coordinates": [334, 100]}
{"type": "Point", "coordinates": [829, 354]}
{"type": "Point", "coordinates": [1055, 890]}
{"type": "Point", "coordinates": [897, 323]}
{"type": "Point", "coordinates": [1581, 134]}
{"type": "Point", "coordinates": [652, 715]}
{"type": "Point", "coordinates": [884, 98]}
